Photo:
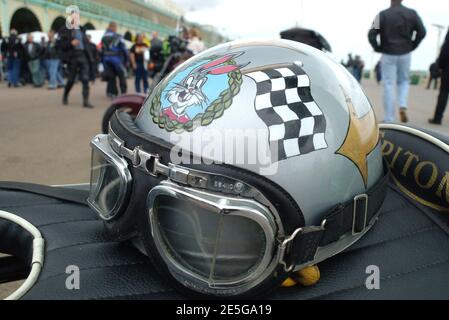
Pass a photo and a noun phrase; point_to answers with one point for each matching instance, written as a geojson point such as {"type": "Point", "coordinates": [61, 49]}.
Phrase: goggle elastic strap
{"type": "Point", "coordinates": [150, 164]}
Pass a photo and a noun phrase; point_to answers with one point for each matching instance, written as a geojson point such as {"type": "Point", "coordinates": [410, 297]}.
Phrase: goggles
{"type": "Point", "coordinates": [217, 234]}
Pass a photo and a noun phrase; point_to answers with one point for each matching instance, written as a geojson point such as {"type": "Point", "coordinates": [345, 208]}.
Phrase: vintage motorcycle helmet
{"type": "Point", "coordinates": [248, 162]}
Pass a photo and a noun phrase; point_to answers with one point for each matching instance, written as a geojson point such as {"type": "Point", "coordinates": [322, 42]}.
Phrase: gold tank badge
{"type": "Point", "coordinates": [361, 139]}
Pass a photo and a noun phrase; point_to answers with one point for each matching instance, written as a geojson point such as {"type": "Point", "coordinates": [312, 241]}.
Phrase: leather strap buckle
{"type": "Point", "coordinates": [283, 249]}
{"type": "Point", "coordinates": [360, 201]}
{"type": "Point", "coordinates": [285, 246]}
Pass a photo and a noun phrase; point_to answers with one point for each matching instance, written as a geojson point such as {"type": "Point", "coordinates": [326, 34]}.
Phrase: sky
{"type": "Point", "coordinates": [344, 23]}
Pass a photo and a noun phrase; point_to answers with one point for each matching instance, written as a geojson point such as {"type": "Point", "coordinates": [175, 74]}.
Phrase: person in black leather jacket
{"type": "Point", "coordinates": [77, 53]}
{"type": "Point", "coordinates": [434, 74]}
{"type": "Point", "coordinates": [12, 51]}
{"type": "Point", "coordinates": [33, 53]}
{"type": "Point", "coordinates": [396, 26]}
{"type": "Point", "coordinates": [401, 30]}
{"type": "Point", "coordinates": [156, 55]}
{"type": "Point", "coordinates": [443, 64]}
{"type": "Point", "coordinates": [95, 60]}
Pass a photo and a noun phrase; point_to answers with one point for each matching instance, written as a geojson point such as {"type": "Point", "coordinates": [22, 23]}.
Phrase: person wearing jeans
{"type": "Point", "coordinates": [401, 30]}
{"type": "Point", "coordinates": [33, 53]}
{"type": "Point", "coordinates": [55, 78]}
{"type": "Point", "coordinates": [12, 50]}
{"type": "Point", "coordinates": [52, 63]}
{"type": "Point", "coordinates": [114, 58]}
{"type": "Point", "coordinates": [13, 66]}
{"type": "Point", "coordinates": [141, 76]}
{"type": "Point", "coordinates": [138, 62]}
{"type": "Point", "coordinates": [395, 75]}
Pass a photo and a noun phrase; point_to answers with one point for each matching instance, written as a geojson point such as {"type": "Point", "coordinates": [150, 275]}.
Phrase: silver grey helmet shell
{"type": "Point", "coordinates": [305, 122]}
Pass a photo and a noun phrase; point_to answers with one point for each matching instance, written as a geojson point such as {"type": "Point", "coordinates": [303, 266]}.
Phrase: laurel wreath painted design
{"type": "Point", "coordinates": [214, 111]}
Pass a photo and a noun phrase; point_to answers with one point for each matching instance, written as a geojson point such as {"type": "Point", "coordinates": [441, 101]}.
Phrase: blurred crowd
{"type": "Point", "coordinates": [355, 66]}
{"type": "Point", "coordinates": [70, 56]}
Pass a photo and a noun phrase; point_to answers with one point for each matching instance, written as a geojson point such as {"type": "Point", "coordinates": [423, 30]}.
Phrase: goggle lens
{"type": "Point", "coordinates": [109, 179]}
{"type": "Point", "coordinates": [215, 245]}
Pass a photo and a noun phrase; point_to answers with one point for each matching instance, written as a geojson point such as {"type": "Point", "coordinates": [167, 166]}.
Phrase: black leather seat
{"type": "Point", "coordinates": [409, 243]}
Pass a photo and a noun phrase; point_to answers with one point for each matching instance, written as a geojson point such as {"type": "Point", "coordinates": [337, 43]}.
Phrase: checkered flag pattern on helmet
{"type": "Point", "coordinates": [285, 104]}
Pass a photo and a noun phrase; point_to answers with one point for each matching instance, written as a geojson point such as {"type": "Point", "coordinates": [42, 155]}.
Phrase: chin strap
{"type": "Point", "coordinates": [345, 224]}
{"type": "Point", "coordinates": [350, 219]}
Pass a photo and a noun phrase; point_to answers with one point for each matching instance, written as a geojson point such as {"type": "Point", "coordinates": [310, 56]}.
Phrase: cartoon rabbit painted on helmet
{"type": "Point", "coordinates": [189, 91]}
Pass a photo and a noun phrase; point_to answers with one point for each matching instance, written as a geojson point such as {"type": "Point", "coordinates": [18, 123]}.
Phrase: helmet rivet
{"type": "Point", "coordinates": [239, 187]}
